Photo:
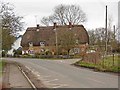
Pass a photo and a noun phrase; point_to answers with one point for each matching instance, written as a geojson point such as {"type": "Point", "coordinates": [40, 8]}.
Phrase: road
{"type": "Point", "coordinates": [60, 74]}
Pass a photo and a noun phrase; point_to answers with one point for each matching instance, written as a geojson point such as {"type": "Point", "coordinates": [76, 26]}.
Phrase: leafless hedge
{"type": "Point", "coordinates": [92, 57]}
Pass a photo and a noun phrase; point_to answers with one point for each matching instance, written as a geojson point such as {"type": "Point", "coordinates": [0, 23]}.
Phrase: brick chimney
{"type": "Point", "coordinates": [55, 24]}
{"type": "Point", "coordinates": [38, 27]}
{"type": "Point", "coordinates": [70, 25]}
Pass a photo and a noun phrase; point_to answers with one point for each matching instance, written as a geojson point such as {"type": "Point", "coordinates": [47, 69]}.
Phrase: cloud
{"type": "Point", "coordinates": [94, 9]}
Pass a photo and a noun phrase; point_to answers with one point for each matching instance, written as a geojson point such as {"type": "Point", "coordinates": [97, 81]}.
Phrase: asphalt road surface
{"type": "Point", "coordinates": [60, 74]}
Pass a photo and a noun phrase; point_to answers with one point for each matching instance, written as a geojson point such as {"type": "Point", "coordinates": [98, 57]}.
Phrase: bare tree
{"type": "Point", "coordinates": [66, 40]}
{"type": "Point", "coordinates": [92, 37]}
{"type": "Point", "coordinates": [63, 14]}
{"type": "Point", "coordinates": [48, 20]}
{"type": "Point", "coordinates": [11, 25]}
{"type": "Point", "coordinates": [10, 19]}
{"type": "Point", "coordinates": [97, 37]}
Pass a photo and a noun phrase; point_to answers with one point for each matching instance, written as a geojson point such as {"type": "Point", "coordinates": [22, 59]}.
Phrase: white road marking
{"type": "Point", "coordinates": [46, 76]}
{"type": "Point", "coordinates": [42, 79]}
{"type": "Point", "coordinates": [52, 84]}
{"type": "Point", "coordinates": [96, 81]}
{"type": "Point", "coordinates": [62, 85]}
{"type": "Point", "coordinates": [27, 67]}
{"type": "Point", "coordinates": [38, 75]}
{"type": "Point", "coordinates": [32, 71]}
{"type": "Point", "coordinates": [45, 68]}
{"type": "Point", "coordinates": [61, 61]}
{"type": "Point", "coordinates": [51, 80]}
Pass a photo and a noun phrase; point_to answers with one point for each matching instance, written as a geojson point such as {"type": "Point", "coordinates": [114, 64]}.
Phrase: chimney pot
{"type": "Point", "coordinates": [70, 25]}
{"type": "Point", "coordinates": [55, 24]}
{"type": "Point", "coordinates": [37, 26]}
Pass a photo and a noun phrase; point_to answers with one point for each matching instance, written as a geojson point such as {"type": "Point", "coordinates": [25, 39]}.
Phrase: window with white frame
{"type": "Point", "coordinates": [31, 44]}
{"type": "Point", "coordinates": [42, 43]}
{"type": "Point", "coordinates": [31, 52]}
{"type": "Point", "coordinates": [76, 50]}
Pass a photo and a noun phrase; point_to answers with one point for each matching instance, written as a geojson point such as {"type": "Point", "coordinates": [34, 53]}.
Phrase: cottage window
{"type": "Point", "coordinates": [76, 50]}
{"type": "Point", "coordinates": [31, 52]}
{"type": "Point", "coordinates": [42, 43]}
{"type": "Point", "coordinates": [30, 44]}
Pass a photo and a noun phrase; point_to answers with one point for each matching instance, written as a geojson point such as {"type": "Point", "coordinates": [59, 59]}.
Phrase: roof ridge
{"type": "Point", "coordinates": [57, 26]}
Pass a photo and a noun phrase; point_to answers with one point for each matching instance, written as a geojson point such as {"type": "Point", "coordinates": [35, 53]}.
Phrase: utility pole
{"type": "Point", "coordinates": [114, 32]}
{"type": "Point", "coordinates": [114, 45]}
{"type": "Point", "coordinates": [106, 33]}
{"type": "Point", "coordinates": [56, 39]}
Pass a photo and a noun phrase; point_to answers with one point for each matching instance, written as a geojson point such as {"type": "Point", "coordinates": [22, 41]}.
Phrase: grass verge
{"type": "Point", "coordinates": [1, 67]}
{"type": "Point", "coordinates": [107, 64]}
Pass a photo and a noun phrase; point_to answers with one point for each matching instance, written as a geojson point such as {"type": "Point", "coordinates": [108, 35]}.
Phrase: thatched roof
{"type": "Point", "coordinates": [47, 34]}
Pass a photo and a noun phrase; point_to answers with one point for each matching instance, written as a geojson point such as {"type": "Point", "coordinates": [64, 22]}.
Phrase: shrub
{"type": "Point", "coordinates": [3, 53]}
{"type": "Point", "coordinates": [48, 53]}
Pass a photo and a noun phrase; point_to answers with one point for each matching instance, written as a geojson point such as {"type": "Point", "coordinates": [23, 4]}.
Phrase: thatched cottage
{"type": "Point", "coordinates": [43, 38]}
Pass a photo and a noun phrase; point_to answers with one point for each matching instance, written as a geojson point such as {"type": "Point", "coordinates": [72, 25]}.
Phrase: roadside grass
{"type": "Point", "coordinates": [106, 64]}
{"type": "Point", "coordinates": [111, 64]}
{"type": "Point", "coordinates": [1, 67]}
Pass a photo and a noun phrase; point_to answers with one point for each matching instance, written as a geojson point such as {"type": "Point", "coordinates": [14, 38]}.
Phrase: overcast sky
{"type": "Point", "coordinates": [94, 9]}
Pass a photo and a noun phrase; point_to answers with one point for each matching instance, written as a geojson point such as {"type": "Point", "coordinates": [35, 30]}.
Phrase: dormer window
{"type": "Point", "coordinates": [42, 43]}
{"type": "Point", "coordinates": [31, 44]}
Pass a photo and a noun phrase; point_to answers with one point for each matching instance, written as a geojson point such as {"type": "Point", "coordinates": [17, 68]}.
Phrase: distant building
{"type": "Point", "coordinates": [15, 46]}
{"type": "Point", "coordinates": [42, 38]}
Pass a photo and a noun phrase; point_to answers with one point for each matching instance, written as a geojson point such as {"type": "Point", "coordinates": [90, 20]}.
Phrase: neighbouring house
{"type": "Point", "coordinates": [40, 39]}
